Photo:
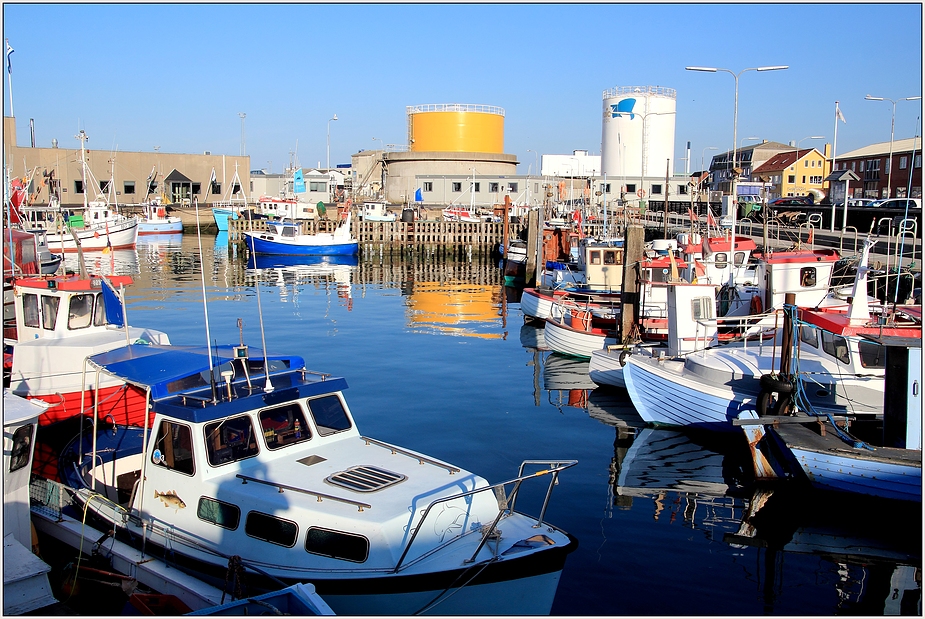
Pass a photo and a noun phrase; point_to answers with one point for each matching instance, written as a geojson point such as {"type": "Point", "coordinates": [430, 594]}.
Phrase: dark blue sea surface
{"type": "Point", "coordinates": [438, 359]}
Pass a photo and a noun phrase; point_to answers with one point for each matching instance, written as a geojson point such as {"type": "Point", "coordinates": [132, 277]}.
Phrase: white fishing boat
{"type": "Point", "coordinates": [376, 211]}
{"type": "Point", "coordinates": [460, 213]}
{"type": "Point", "coordinates": [255, 455]}
{"type": "Point", "coordinates": [154, 218]}
{"type": "Point", "coordinates": [54, 324]}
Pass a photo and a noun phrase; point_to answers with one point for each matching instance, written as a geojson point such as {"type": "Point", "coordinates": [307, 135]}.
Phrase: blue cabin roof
{"type": "Point", "coordinates": [178, 378]}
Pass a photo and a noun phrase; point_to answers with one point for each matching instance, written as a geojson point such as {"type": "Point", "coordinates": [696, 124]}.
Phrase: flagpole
{"type": "Point", "coordinates": [9, 74]}
{"type": "Point", "coordinates": [832, 171]}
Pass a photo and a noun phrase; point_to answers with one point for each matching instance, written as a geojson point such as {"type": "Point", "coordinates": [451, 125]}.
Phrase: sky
{"type": "Point", "coordinates": [177, 76]}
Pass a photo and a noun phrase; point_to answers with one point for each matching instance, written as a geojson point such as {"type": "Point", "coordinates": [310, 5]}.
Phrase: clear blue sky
{"type": "Point", "coordinates": [176, 75]}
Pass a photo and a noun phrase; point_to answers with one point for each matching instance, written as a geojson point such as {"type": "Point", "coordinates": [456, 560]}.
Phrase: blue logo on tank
{"type": "Point", "coordinates": [623, 107]}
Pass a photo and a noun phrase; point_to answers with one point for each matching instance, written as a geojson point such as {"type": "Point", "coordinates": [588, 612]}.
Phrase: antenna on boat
{"type": "Point", "coordinates": [205, 309]}
{"type": "Point", "coordinates": [268, 387]}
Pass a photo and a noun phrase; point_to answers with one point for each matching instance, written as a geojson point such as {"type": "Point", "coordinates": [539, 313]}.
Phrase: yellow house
{"type": "Point", "coordinates": [796, 173]}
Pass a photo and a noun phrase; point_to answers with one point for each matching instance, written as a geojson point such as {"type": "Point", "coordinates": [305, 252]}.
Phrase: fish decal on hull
{"type": "Point", "coordinates": [170, 499]}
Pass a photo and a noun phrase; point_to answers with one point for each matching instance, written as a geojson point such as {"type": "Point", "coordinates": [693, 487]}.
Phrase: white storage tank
{"type": "Point", "coordinates": [623, 146]}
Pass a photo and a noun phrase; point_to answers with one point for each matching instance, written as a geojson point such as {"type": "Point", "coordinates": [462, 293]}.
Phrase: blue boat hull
{"type": "Point", "coordinates": [265, 246]}
{"type": "Point", "coordinates": [221, 216]}
{"type": "Point", "coordinates": [269, 261]}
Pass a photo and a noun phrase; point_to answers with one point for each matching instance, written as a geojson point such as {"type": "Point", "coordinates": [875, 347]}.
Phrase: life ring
{"type": "Point", "coordinates": [755, 306]}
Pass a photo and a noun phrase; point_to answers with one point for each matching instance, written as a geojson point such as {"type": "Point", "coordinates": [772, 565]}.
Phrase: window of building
{"type": "Point", "coordinates": [682, 189]}
{"type": "Point", "coordinates": [428, 186]}
{"type": "Point", "coordinates": [196, 188]}
{"type": "Point", "coordinates": [917, 162]}
{"type": "Point", "coordinates": [476, 187]}
{"type": "Point", "coordinates": [536, 187]}
{"type": "Point", "coordinates": [861, 164]}
{"type": "Point", "coordinates": [271, 529]}
{"type": "Point", "coordinates": [104, 186]}
{"type": "Point", "coordinates": [173, 448]}
{"type": "Point", "coordinates": [284, 425]}
{"type": "Point", "coordinates": [230, 440]}
{"type": "Point", "coordinates": [605, 187]}
{"type": "Point", "coordinates": [318, 186]}
{"type": "Point", "coordinates": [656, 190]}
{"type": "Point", "coordinates": [903, 162]}
{"type": "Point", "coordinates": [457, 187]}
{"type": "Point", "coordinates": [512, 187]}
{"type": "Point", "coordinates": [886, 169]}
{"type": "Point", "coordinates": [78, 186]}
{"type": "Point", "coordinates": [631, 188]}
{"type": "Point", "coordinates": [336, 545]}
{"type": "Point", "coordinates": [853, 169]}
{"type": "Point", "coordinates": [791, 178]}
{"type": "Point", "coordinates": [815, 180]}
{"type": "Point", "coordinates": [152, 187]}
{"type": "Point", "coordinates": [219, 513]}
{"type": "Point", "coordinates": [493, 187]}
{"type": "Point", "coordinates": [329, 414]}
{"type": "Point", "coordinates": [128, 187]}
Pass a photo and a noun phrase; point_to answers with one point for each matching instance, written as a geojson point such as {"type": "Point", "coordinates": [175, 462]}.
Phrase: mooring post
{"type": "Point", "coordinates": [629, 296]}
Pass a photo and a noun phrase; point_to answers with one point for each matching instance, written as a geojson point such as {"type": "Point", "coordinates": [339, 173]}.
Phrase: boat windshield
{"type": "Point", "coordinates": [284, 425]}
{"type": "Point", "coordinates": [230, 440]}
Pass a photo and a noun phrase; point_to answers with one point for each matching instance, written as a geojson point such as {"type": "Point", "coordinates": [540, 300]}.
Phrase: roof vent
{"type": "Point", "coordinates": [365, 479]}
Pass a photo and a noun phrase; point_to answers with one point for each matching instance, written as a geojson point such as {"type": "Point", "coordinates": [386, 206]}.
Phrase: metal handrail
{"type": "Point", "coordinates": [554, 468]}
{"type": "Point", "coordinates": [841, 242]}
{"type": "Point", "coordinates": [421, 459]}
{"type": "Point", "coordinates": [281, 487]}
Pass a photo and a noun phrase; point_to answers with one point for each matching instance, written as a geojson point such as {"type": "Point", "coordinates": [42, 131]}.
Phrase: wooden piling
{"type": "Point", "coordinates": [629, 298]}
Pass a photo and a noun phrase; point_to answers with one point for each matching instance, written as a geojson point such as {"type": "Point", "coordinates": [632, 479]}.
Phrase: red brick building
{"type": "Point", "coordinates": [872, 164]}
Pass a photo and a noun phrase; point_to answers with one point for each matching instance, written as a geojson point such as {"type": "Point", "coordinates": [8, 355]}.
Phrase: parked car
{"type": "Point", "coordinates": [792, 201]}
{"type": "Point", "coordinates": [897, 203]}
{"type": "Point", "coordinates": [859, 201]}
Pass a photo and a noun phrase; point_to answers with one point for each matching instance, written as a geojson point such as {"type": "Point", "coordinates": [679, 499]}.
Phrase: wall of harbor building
{"type": "Point", "coordinates": [129, 171]}
{"type": "Point", "coordinates": [402, 169]}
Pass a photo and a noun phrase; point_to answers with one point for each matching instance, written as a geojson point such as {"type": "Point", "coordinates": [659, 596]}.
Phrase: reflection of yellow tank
{"type": "Point", "coordinates": [456, 308]}
{"type": "Point", "coordinates": [456, 127]}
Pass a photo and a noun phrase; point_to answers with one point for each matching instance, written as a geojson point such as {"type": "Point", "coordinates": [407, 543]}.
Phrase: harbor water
{"type": "Point", "coordinates": [438, 359]}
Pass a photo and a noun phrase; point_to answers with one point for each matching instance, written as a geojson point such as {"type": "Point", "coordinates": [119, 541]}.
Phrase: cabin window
{"type": "Point", "coordinates": [719, 260]}
{"type": "Point", "coordinates": [428, 186]}
{"type": "Point", "coordinates": [739, 258]}
{"type": "Point", "coordinates": [808, 277]}
{"type": "Point", "coordinates": [22, 447]}
{"type": "Point", "coordinates": [271, 529]}
{"type": "Point", "coordinates": [337, 545]}
{"type": "Point", "coordinates": [173, 448]}
{"type": "Point", "coordinates": [872, 354]}
{"type": "Point", "coordinates": [230, 440]}
{"type": "Point", "coordinates": [284, 425]}
{"type": "Point", "coordinates": [809, 335]}
{"type": "Point", "coordinates": [595, 257]}
{"type": "Point", "coordinates": [219, 513]}
{"type": "Point", "coordinates": [329, 414]}
{"type": "Point", "coordinates": [702, 308]}
{"type": "Point", "coordinates": [835, 345]}
{"type": "Point", "coordinates": [50, 312]}
{"type": "Point", "coordinates": [493, 187]}
{"type": "Point", "coordinates": [80, 311]}
{"type": "Point", "coordinates": [610, 257]}
{"type": "Point", "coordinates": [30, 310]}
{"type": "Point", "coordinates": [99, 312]}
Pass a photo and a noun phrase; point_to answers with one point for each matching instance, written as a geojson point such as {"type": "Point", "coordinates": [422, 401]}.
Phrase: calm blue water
{"type": "Point", "coordinates": [438, 360]}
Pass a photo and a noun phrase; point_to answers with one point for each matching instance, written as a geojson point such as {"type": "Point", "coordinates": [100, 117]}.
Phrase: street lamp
{"type": "Point", "coordinates": [380, 140]}
{"type": "Point", "coordinates": [743, 140]}
{"type": "Point", "coordinates": [735, 125]}
{"type": "Point", "coordinates": [705, 148]}
{"type": "Point", "coordinates": [536, 160]}
{"type": "Point", "coordinates": [812, 137]}
{"type": "Point", "coordinates": [329, 140]}
{"type": "Point", "coordinates": [242, 115]}
{"type": "Point", "coordinates": [642, 161]}
{"type": "Point", "coordinates": [889, 177]}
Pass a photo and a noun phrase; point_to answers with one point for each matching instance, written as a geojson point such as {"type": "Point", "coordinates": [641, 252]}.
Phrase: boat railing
{"type": "Point", "coordinates": [319, 495]}
{"type": "Point", "coordinates": [506, 502]}
{"type": "Point", "coordinates": [421, 459]}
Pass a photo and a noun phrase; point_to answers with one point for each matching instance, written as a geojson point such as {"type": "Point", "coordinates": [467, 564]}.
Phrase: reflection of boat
{"type": "Point", "coordinates": [562, 373]}
{"type": "Point", "coordinates": [614, 408]}
{"type": "Point", "coordinates": [262, 261]}
{"type": "Point", "coordinates": [532, 337]}
{"type": "Point", "coordinates": [874, 545]}
{"type": "Point", "coordinates": [254, 454]}
{"type": "Point", "coordinates": [667, 461]}
{"type": "Point", "coordinates": [285, 237]}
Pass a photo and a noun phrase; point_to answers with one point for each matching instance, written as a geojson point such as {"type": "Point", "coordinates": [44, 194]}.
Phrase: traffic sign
{"type": "Point", "coordinates": [641, 193]}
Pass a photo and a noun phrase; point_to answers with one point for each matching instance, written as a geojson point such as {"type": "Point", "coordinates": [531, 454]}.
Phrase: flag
{"type": "Point", "coordinates": [839, 115]}
{"type": "Point", "coordinates": [298, 182]}
{"type": "Point", "coordinates": [711, 223]}
{"type": "Point", "coordinates": [112, 304]}
{"type": "Point", "coordinates": [9, 50]}
{"type": "Point", "coordinates": [692, 214]}
{"type": "Point", "coordinates": [418, 197]}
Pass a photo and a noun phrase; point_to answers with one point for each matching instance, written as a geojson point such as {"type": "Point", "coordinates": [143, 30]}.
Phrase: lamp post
{"type": "Point", "coordinates": [242, 115]}
{"type": "Point", "coordinates": [812, 137]}
{"type": "Point", "coordinates": [735, 125]}
{"type": "Point", "coordinates": [889, 175]}
{"type": "Point", "coordinates": [705, 148]}
{"type": "Point", "coordinates": [329, 140]}
{"type": "Point", "coordinates": [536, 161]}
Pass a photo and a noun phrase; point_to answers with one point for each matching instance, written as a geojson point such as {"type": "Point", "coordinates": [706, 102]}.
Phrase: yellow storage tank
{"type": "Point", "coordinates": [456, 127]}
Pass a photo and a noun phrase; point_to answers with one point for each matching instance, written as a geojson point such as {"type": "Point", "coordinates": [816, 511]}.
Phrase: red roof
{"type": "Point", "coordinates": [781, 161]}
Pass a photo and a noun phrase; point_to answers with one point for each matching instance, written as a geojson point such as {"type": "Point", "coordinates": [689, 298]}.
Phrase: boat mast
{"type": "Point", "coordinates": [83, 137]}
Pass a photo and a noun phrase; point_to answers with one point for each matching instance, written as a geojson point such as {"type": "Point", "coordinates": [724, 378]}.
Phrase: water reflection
{"type": "Point", "coordinates": [456, 308]}
{"type": "Point", "coordinates": [290, 273]}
